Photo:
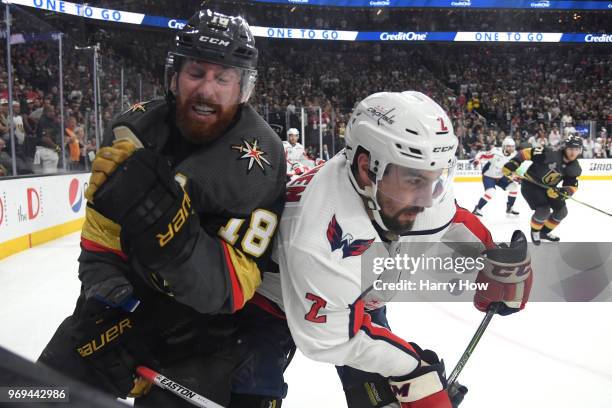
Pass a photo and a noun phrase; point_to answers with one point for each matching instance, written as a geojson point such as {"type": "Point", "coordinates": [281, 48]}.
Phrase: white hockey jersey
{"type": "Point", "coordinates": [492, 162]}
{"type": "Point", "coordinates": [322, 292]}
{"type": "Point", "coordinates": [294, 153]}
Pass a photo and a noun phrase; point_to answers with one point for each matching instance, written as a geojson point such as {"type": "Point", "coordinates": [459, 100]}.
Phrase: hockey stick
{"type": "Point", "coordinates": [569, 197]}
{"type": "Point", "coordinates": [176, 388]}
{"type": "Point", "coordinates": [472, 345]}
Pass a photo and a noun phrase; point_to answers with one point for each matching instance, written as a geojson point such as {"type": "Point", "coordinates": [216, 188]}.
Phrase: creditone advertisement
{"type": "Point", "coordinates": [37, 209]}
{"type": "Point", "coordinates": [469, 4]}
{"type": "Point", "coordinates": [118, 16]}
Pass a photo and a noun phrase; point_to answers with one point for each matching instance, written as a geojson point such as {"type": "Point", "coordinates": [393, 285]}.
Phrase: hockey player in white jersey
{"type": "Point", "coordinates": [295, 154]}
{"type": "Point", "coordinates": [492, 163]}
{"type": "Point", "coordinates": [392, 184]}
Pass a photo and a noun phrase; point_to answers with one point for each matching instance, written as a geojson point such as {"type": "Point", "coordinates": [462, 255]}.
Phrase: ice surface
{"type": "Point", "coordinates": [553, 355]}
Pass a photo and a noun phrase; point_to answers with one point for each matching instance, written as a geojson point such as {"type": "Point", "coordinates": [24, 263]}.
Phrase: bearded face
{"type": "Point", "coordinates": [207, 99]}
{"type": "Point", "coordinates": [404, 193]}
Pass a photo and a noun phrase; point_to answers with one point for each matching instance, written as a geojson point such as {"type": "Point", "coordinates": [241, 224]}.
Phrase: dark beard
{"type": "Point", "coordinates": [393, 223]}
{"type": "Point", "coordinates": [200, 133]}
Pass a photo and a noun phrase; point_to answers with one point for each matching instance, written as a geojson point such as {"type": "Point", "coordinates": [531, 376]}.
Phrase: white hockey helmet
{"type": "Point", "coordinates": [508, 142]}
{"type": "Point", "coordinates": [407, 132]}
{"type": "Point", "coordinates": [293, 131]}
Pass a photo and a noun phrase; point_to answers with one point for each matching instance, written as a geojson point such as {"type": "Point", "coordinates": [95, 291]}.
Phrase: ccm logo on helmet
{"type": "Point", "coordinates": [216, 41]}
{"type": "Point", "coordinates": [443, 149]}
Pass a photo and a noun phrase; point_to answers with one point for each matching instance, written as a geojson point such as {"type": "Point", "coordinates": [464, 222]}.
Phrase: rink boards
{"type": "Point", "coordinates": [35, 210]}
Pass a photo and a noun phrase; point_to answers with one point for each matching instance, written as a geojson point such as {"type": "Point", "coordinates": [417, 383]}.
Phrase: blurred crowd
{"type": "Point", "coordinates": [37, 121]}
{"type": "Point", "coordinates": [535, 94]}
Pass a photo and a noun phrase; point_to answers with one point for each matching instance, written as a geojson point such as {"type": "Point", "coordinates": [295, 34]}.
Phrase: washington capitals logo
{"type": "Point", "coordinates": [253, 154]}
{"type": "Point", "coordinates": [350, 246]}
{"type": "Point", "coordinates": [381, 113]}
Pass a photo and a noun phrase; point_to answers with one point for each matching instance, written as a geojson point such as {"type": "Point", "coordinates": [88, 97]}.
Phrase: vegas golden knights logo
{"type": "Point", "coordinates": [552, 178]}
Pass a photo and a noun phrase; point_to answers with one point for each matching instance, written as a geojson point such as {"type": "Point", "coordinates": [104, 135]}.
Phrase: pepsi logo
{"type": "Point", "coordinates": [75, 195]}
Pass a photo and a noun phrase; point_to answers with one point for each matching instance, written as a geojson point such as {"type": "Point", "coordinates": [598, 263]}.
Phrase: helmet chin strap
{"type": "Point", "coordinates": [368, 193]}
{"type": "Point", "coordinates": [378, 220]}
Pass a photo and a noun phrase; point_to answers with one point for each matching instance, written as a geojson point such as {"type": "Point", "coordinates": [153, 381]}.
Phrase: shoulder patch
{"type": "Point", "coordinates": [138, 107]}
{"type": "Point", "coordinates": [338, 240]}
{"type": "Point", "coordinates": [251, 152]}
{"type": "Point", "coordinates": [147, 121]}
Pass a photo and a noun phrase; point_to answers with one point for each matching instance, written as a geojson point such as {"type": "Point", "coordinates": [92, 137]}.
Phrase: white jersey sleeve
{"type": "Point", "coordinates": [322, 234]}
{"type": "Point", "coordinates": [328, 322]}
{"type": "Point", "coordinates": [483, 156]}
{"type": "Point", "coordinates": [321, 286]}
{"type": "Point", "coordinates": [294, 153]}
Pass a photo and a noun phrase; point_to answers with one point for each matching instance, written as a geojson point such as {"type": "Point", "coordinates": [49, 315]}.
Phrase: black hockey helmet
{"type": "Point", "coordinates": [220, 39]}
{"type": "Point", "coordinates": [572, 141]}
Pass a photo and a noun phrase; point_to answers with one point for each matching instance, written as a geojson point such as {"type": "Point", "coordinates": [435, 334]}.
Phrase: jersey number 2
{"type": "Point", "coordinates": [314, 310]}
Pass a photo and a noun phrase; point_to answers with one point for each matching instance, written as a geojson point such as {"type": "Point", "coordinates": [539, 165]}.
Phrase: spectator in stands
{"type": "Point", "coordinates": [522, 87]}
{"type": "Point", "coordinates": [588, 148]}
{"type": "Point", "coordinates": [4, 122]}
{"type": "Point", "coordinates": [80, 133]}
{"type": "Point", "coordinates": [531, 140]}
{"type": "Point", "coordinates": [326, 155]}
{"type": "Point", "coordinates": [36, 111]}
{"type": "Point", "coordinates": [72, 143]}
{"type": "Point", "coordinates": [541, 139]}
{"type": "Point", "coordinates": [90, 151]}
{"type": "Point", "coordinates": [491, 139]}
{"type": "Point", "coordinates": [599, 151]}
{"type": "Point", "coordinates": [569, 130]}
{"type": "Point", "coordinates": [48, 141]}
{"type": "Point", "coordinates": [19, 127]}
{"type": "Point", "coordinates": [567, 121]}
{"type": "Point", "coordinates": [554, 137]}
{"type": "Point", "coordinates": [6, 164]}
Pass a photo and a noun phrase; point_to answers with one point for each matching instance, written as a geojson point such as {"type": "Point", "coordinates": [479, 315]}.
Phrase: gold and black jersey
{"type": "Point", "coordinates": [236, 185]}
{"type": "Point", "coordinates": [549, 167]}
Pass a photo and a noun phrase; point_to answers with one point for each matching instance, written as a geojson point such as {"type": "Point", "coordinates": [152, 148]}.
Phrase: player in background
{"type": "Point", "coordinates": [550, 167]}
{"type": "Point", "coordinates": [598, 149]}
{"type": "Point", "coordinates": [293, 148]}
{"type": "Point", "coordinates": [295, 153]}
{"type": "Point", "coordinates": [183, 203]}
{"type": "Point", "coordinates": [391, 186]}
{"type": "Point", "coordinates": [492, 163]}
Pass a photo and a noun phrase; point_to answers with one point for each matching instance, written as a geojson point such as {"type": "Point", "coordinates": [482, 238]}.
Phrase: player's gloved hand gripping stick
{"type": "Point", "coordinates": [564, 195]}
{"type": "Point", "coordinates": [510, 169]}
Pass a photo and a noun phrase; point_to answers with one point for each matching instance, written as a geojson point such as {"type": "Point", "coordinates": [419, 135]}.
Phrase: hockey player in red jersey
{"type": "Point", "coordinates": [392, 186]}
